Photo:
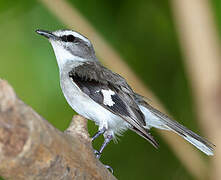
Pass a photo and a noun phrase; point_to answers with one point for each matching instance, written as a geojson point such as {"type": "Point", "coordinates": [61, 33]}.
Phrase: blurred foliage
{"type": "Point", "coordinates": [142, 32]}
{"type": "Point", "coordinates": [216, 4]}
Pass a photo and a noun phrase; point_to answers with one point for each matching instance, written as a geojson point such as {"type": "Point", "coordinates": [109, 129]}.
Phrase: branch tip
{"type": "Point", "coordinates": [7, 96]}
{"type": "Point", "coordinates": [78, 126]}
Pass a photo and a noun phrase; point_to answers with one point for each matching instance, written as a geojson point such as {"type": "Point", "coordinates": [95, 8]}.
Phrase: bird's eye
{"type": "Point", "coordinates": [64, 38]}
{"type": "Point", "coordinates": [69, 38]}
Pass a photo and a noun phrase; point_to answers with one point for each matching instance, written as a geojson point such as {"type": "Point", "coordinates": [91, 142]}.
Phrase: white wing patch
{"type": "Point", "coordinates": [107, 97]}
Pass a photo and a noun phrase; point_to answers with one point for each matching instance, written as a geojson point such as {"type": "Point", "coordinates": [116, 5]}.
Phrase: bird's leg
{"type": "Point", "coordinates": [107, 139]}
{"type": "Point", "coordinates": [100, 132]}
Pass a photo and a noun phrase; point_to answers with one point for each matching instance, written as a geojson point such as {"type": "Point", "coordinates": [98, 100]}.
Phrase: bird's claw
{"type": "Point", "coordinates": [97, 154]}
{"type": "Point", "coordinates": [110, 168]}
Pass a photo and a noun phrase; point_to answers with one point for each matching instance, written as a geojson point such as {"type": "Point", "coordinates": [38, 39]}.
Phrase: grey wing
{"type": "Point", "coordinates": [120, 102]}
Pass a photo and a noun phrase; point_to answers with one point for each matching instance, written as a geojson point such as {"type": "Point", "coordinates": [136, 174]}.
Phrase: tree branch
{"type": "Point", "coordinates": [31, 148]}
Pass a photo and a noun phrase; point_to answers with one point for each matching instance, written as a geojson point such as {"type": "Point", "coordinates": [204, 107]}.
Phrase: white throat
{"type": "Point", "coordinates": [63, 56]}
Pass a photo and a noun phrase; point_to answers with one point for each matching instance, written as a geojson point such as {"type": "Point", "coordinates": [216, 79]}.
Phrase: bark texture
{"type": "Point", "coordinates": [31, 148]}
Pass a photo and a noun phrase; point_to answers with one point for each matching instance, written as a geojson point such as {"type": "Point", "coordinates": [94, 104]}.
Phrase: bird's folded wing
{"type": "Point", "coordinates": [112, 92]}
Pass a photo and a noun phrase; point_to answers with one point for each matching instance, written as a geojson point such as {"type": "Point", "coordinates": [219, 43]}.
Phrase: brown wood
{"type": "Point", "coordinates": [31, 148]}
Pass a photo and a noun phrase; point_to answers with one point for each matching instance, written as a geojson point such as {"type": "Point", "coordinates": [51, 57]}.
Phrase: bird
{"type": "Point", "coordinates": [105, 97]}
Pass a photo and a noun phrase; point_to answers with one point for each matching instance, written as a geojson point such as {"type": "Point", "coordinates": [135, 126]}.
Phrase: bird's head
{"type": "Point", "coordinates": [69, 45]}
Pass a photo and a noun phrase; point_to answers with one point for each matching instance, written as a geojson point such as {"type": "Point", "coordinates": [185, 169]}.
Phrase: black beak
{"type": "Point", "coordinates": [46, 34]}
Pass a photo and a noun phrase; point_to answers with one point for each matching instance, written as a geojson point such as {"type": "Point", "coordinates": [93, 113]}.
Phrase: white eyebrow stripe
{"type": "Point", "coordinates": [75, 34]}
{"type": "Point", "coordinates": [80, 36]}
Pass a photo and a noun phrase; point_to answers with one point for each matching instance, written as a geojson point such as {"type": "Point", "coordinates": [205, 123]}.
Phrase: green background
{"type": "Point", "coordinates": [143, 33]}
